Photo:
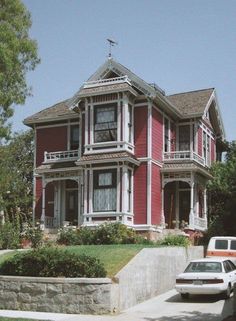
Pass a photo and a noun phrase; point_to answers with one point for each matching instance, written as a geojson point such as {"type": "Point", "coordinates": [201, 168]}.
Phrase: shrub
{"type": "Point", "coordinates": [34, 235]}
{"type": "Point", "coordinates": [52, 262]}
{"type": "Point", "coordinates": [108, 233]}
{"type": "Point", "coordinates": [175, 240]}
{"type": "Point", "coordinates": [9, 236]}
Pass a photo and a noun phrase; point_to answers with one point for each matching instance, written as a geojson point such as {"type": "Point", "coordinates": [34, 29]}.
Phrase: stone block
{"type": "Point", "coordinates": [33, 288]}
{"type": "Point", "coordinates": [24, 298]}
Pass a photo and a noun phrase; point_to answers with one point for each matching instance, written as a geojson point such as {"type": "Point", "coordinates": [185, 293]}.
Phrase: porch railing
{"type": "Point", "coordinates": [183, 156]}
{"type": "Point", "coordinates": [51, 222]}
{"type": "Point", "coordinates": [109, 81]}
{"type": "Point", "coordinates": [69, 155]}
{"type": "Point", "coordinates": [200, 223]}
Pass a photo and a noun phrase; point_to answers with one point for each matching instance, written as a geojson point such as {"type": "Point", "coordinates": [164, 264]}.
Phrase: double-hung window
{"type": "Point", "coordinates": [74, 137]}
{"type": "Point", "coordinates": [104, 194]}
{"type": "Point", "coordinates": [105, 123]}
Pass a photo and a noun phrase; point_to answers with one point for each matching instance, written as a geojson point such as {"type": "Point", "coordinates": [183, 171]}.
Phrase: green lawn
{"type": "Point", "coordinates": [114, 257]}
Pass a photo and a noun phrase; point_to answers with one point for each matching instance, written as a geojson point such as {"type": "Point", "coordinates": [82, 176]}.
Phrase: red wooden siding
{"type": "Point", "coordinates": [49, 200]}
{"type": "Point", "coordinates": [140, 131]}
{"type": "Point", "coordinates": [52, 139]}
{"type": "Point", "coordinates": [156, 194]}
{"type": "Point", "coordinates": [140, 194]}
{"type": "Point", "coordinates": [38, 198]}
{"type": "Point", "coordinates": [157, 134]}
{"type": "Point", "coordinates": [200, 141]}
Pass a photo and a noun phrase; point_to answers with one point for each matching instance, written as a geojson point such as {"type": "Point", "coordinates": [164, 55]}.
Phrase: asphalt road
{"type": "Point", "coordinates": [166, 307]}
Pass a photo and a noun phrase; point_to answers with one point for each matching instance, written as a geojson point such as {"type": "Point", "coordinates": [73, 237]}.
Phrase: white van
{"type": "Point", "coordinates": [222, 246]}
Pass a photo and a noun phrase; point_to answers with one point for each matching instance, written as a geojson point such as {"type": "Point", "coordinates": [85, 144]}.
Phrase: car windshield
{"type": "Point", "coordinates": [214, 267]}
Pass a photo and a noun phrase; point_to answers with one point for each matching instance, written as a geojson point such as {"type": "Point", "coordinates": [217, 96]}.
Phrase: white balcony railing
{"type": "Point", "coordinates": [69, 155]}
{"type": "Point", "coordinates": [183, 156]}
{"type": "Point", "coordinates": [109, 81]}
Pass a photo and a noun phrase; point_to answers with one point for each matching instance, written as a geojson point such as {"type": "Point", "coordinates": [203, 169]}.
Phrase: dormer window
{"type": "Point", "coordinates": [105, 123]}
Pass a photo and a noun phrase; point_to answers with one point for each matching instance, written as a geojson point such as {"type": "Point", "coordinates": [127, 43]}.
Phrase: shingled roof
{"type": "Point", "coordinates": [55, 112]}
{"type": "Point", "coordinates": [192, 102]}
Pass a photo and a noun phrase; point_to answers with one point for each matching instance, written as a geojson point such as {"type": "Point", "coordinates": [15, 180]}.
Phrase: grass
{"type": "Point", "coordinates": [114, 257]}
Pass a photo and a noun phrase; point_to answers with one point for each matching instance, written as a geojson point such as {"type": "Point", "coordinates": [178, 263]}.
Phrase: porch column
{"type": "Point", "coordinates": [124, 192]}
{"type": "Point", "coordinates": [191, 214]}
{"type": "Point", "coordinates": [205, 205]}
{"type": "Point", "coordinates": [79, 202]}
{"type": "Point", "coordinates": [162, 223]}
{"type": "Point", "coordinates": [42, 219]}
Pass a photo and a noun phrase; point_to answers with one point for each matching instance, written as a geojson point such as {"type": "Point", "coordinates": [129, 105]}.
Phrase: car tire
{"type": "Point", "coordinates": [184, 295]}
{"type": "Point", "coordinates": [226, 294]}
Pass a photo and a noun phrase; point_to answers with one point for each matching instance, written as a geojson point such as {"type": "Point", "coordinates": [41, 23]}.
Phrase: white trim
{"type": "Point", "coordinates": [86, 124]}
{"type": "Point", "coordinates": [85, 191]}
{"type": "Point", "coordinates": [48, 120]}
{"type": "Point", "coordinates": [147, 159]}
{"type": "Point", "coordinates": [91, 123]}
{"type": "Point", "coordinates": [149, 165]}
{"type": "Point", "coordinates": [91, 190]}
{"type": "Point", "coordinates": [118, 189]}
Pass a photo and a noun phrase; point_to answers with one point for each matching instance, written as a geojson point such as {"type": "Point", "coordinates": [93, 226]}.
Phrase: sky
{"type": "Point", "coordinates": [181, 45]}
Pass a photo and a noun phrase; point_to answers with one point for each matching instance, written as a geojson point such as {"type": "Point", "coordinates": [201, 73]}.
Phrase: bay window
{"type": "Point", "coordinates": [74, 137]}
{"type": "Point", "coordinates": [184, 138]}
{"type": "Point", "coordinates": [104, 193]}
{"type": "Point", "coordinates": [105, 123]}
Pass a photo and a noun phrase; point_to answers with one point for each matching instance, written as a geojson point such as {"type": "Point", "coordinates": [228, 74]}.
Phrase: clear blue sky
{"type": "Point", "coordinates": [181, 45]}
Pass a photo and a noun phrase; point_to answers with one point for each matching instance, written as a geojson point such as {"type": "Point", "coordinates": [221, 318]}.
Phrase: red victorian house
{"type": "Point", "coordinates": [123, 151]}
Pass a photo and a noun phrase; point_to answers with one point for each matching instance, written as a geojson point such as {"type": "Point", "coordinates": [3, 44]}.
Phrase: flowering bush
{"type": "Point", "coordinates": [34, 235]}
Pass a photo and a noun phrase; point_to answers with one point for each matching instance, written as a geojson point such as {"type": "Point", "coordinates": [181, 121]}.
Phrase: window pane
{"type": "Point", "coordinates": [105, 179]}
{"type": "Point", "coordinates": [221, 244]}
{"type": "Point", "coordinates": [104, 199]}
{"type": "Point", "coordinates": [233, 245]}
{"type": "Point", "coordinates": [184, 138]}
{"type": "Point", "coordinates": [74, 137]}
{"type": "Point", "coordinates": [105, 124]}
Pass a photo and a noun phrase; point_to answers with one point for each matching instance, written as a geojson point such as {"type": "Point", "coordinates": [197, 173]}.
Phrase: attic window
{"type": "Point", "coordinates": [105, 123]}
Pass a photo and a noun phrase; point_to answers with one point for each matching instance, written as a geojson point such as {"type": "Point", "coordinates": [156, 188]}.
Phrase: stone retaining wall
{"type": "Point", "coordinates": [149, 273]}
{"type": "Point", "coordinates": [62, 295]}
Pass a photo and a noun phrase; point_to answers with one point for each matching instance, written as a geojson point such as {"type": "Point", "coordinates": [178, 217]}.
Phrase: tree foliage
{"type": "Point", "coordinates": [222, 194]}
{"type": "Point", "coordinates": [18, 54]}
{"type": "Point", "coordinates": [16, 175]}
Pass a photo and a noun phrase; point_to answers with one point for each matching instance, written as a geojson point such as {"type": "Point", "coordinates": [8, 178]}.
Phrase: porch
{"type": "Point", "coordinates": [184, 198]}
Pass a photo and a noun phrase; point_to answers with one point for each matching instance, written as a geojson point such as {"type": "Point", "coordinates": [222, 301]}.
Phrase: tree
{"type": "Point", "coordinates": [222, 195]}
{"type": "Point", "coordinates": [18, 55]}
{"type": "Point", "coordinates": [16, 175]}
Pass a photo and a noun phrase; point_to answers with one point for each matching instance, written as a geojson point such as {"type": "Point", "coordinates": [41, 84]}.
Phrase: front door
{"type": "Point", "coordinates": [72, 206]}
{"type": "Point", "coordinates": [184, 206]}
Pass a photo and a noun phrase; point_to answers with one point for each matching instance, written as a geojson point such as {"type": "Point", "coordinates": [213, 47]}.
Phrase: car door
{"type": "Point", "coordinates": [233, 271]}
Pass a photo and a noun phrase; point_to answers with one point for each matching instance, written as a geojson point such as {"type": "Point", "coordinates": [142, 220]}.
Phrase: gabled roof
{"type": "Point", "coordinates": [55, 112]}
{"type": "Point", "coordinates": [193, 102]}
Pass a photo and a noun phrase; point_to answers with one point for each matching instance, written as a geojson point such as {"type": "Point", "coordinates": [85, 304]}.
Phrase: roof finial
{"type": "Point", "coordinates": [111, 44]}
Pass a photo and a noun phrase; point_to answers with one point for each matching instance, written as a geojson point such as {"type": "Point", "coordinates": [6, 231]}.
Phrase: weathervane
{"type": "Point", "coordinates": [112, 43]}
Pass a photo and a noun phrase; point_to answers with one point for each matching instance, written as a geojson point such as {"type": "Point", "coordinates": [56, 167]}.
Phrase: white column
{"type": "Point", "coordinates": [79, 202]}
{"type": "Point", "coordinates": [205, 203]}
{"type": "Point", "coordinates": [124, 190]}
{"type": "Point", "coordinates": [119, 121]}
{"type": "Point", "coordinates": [86, 123]}
{"type": "Point", "coordinates": [191, 214]}
{"type": "Point", "coordinates": [163, 221]}
{"type": "Point", "coordinates": [42, 219]}
{"type": "Point", "coordinates": [90, 192]}
{"type": "Point", "coordinates": [191, 141]}
{"type": "Point", "coordinates": [149, 164]}
{"type": "Point", "coordinates": [125, 118]}
{"type": "Point", "coordinates": [118, 190]}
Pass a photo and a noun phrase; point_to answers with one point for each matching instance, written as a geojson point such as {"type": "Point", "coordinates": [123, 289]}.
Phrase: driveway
{"type": "Point", "coordinates": [166, 307]}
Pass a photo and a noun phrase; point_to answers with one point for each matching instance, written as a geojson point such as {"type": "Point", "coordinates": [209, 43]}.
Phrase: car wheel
{"type": "Point", "coordinates": [184, 295]}
{"type": "Point", "coordinates": [226, 294]}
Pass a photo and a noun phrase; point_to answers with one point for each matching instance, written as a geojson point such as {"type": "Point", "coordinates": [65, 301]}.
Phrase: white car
{"type": "Point", "coordinates": [207, 276]}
